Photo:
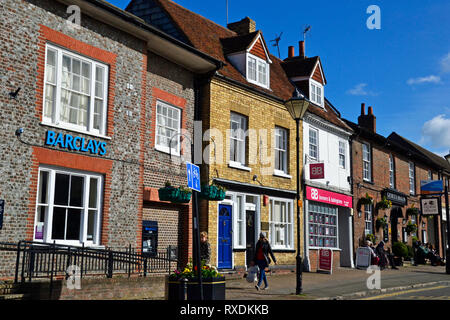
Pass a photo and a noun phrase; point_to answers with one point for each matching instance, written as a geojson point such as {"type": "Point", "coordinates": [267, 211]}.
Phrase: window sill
{"type": "Point", "coordinates": [318, 248]}
{"type": "Point", "coordinates": [237, 165]}
{"type": "Point", "coordinates": [278, 249]}
{"type": "Point", "coordinates": [368, 181]}
{"type": "Point", "coordinates": [75, 130]}
{"type": "Point", "coordinates": [278, 173]}
{"type": "Point", "coordinates": [166, 150]}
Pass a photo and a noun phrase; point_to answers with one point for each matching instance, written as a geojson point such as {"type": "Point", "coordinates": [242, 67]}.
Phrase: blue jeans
{"type": "Point", "coordinates": [262, 264]}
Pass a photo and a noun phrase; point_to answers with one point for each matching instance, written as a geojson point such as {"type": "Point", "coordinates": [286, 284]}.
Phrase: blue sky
{"type": "Point", "coordinates": [402, 69]}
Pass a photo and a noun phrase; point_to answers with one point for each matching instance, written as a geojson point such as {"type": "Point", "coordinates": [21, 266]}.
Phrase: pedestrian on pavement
{"type": "Point", "coordinates": [381, 255]}
{"type": "Point", "coordinates": [205, 248]}
{"type": "Point", "coordinates": [374, 259]}
{"type": "Point", "coordinates": [262, 259]}
{"type": "Point", "coordinates": [390, 257]}
{"type": "Point", "coordinates": [415, 246]}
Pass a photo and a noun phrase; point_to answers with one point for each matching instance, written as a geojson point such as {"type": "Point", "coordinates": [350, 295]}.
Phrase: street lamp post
{"type": "Point", "coordinates": [297, 106]}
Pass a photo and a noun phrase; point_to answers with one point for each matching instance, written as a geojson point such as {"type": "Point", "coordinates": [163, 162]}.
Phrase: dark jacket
{"type": "Point", "coordinates": [205, 252]}
{"type": "Point", "coordinates": [266, 251]}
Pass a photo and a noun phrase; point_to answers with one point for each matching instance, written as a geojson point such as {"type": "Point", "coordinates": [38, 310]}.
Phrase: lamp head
{"type": "Point", "coordinates": [297, 105]}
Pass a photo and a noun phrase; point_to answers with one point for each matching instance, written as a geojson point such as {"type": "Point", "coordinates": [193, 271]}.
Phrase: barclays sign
{"type": "Point", "coordinates": [69, 142]}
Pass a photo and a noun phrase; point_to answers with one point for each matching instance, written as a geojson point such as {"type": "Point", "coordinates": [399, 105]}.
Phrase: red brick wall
{"type": "Point", "coordinates": [314, 262]}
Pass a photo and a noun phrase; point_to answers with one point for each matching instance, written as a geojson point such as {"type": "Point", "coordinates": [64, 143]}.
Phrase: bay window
{"type": "Point", "coordinates": [75, 92]}
{"type": "Point", "coordinates": [68, 208]}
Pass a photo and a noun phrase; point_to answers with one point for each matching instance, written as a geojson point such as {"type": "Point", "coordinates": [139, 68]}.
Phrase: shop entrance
{"type": "Point", "coordinates": [396, 213]}
{"type": "Point", "coordinates": [250, 235]}
{"type": "Point", "coordinates": [224, 237]}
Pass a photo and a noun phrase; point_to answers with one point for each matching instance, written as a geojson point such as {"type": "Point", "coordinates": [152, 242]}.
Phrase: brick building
{"type": "Point", "coordinates": [245, 124]}
{"type": "Point", "coordinates": [90, 96]}
{"type": "Point", "coordinates": [391, 168]}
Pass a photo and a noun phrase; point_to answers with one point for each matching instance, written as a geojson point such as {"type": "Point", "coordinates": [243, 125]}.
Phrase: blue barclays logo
{"type": "Point", "coordinates": [67, 141]}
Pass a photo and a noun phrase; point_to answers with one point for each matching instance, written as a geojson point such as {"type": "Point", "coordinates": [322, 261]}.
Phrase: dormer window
{"type": "Point", "coordinates": [316, 90]}
{"type": "Point", "coordinates": [257, 71]}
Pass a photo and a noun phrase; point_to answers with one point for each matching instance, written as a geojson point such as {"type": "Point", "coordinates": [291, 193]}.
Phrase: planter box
{"type": "Point", "coordinates": [168, 193]}
{"type": "Point", "coordinates": [183, 197]}
{"type": "Point", "coordinates": [213, 289]}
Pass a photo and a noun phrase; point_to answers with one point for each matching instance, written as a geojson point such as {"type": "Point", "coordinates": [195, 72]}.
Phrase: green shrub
{"type": "Point", "coordinates": [400, 249]}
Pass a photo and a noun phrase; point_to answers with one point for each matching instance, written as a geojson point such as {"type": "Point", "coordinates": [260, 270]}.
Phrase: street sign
{"type": "Point", "coordinates": [2, 209]}
{"type": "Point", "coordinates": [193, 176]}
{"type": "Point", "coordinates": [431, 186]}
{"type": "Point", "coordinates": [430, 206]}
{"type": "Point", "coordinates": [325, 260]}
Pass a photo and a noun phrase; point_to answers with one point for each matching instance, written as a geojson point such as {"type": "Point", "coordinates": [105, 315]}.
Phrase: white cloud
{"type": "Point", "coordinates": [360, 90]}
{"type": "Point", "coordinates": [429, 79]}
{"type": "Point", "coordinates": [445, 63]}
{"type": "Point", "coordinates": [436, 132]}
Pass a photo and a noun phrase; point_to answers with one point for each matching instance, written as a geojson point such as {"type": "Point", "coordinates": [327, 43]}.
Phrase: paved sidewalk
{"type": "Point", "coordinates": [344, 283]}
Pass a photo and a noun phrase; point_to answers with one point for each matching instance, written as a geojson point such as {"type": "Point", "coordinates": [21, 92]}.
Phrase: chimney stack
{"type": "Point", "coordinates": [368, 121]}
{"type": "Point", "coordinates": [301, 46]}
{"type": "Point", "coordinates": [245, 26]}
{"type": "Point", "coordinates": [291, 51]}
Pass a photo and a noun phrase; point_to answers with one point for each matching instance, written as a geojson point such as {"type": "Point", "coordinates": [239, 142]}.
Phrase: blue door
{"type": "Point", "coordinates": [224, 237]}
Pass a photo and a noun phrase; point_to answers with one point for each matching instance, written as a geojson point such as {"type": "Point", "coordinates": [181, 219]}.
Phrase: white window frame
{"type": "Point", "coordinates": [265, 80]}
{"type": "Point", "coordinates": [391, 171]}
{"type": "Point", "coordinates": [368, 219]}
{"type": "Point", "coordinates": [288, 226]}
{"type": "Point", "coordinates": [47, 236]}
{"type": "Point", "coordinates": [281, 133]}
{"type": "Point", "coordinates": [368, 176]}
{"type": "Point", "coordinates": [314, 97]}
{"type": "Point", "coordinates": [241, 142]}
{"type": "Point", "coordinates": [412, 178]}
{"type": "Point", "coordinates": [319, 224]}
{"type": "Point", "coordinates": [54, 120]}
{"type": "Point", "coordinates": [239, 215]}
{"type": "Point", "coordinates": [163, 148]}
{"type": "Point", "coordinates": [430, 175]}
{"type": "Point", "coordinates": [311, 129]}
{"type": "Point", "coordinates": [342, 154]}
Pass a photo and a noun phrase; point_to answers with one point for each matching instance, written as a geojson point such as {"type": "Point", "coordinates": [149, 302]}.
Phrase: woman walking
{"type": "Point", "coordinates": [262, 259]}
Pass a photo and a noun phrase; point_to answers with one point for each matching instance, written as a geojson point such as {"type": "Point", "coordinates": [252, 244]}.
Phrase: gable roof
{"type": "Point", "coordinates": [302, 67]}
{"type": "Point", "coordinates": [439, 161]}
{"type": "Point", "coordinates": [215, 40]}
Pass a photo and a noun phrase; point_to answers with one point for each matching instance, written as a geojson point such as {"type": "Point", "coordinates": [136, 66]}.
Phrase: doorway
{"type": "Point", "coordinates": [224, 237]}
{"type": "Point", "coordinates": [250, 235]}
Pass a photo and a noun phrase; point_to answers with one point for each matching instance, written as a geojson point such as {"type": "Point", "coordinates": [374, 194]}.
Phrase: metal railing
{"type": "Point", "coordinates": [43, 260]}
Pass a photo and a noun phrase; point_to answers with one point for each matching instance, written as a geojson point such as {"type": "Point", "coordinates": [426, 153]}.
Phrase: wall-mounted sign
{"type": "Point", "coordinates": [431, 186]}
{"type": "Point", "coordinates": [2, 209]}
{"type": "Point", "coordinates": [316, 171]}
{"type": "Point", "coordinates": [430, 206]}
{"type": "Point", "coordinates": [69, 142]}
{"type": "Point", "coordinates": [396, 198]}
{"type": "Point", "coordinates": [333, 198]}
{"type": "Point", "coordinates": [193, 176]}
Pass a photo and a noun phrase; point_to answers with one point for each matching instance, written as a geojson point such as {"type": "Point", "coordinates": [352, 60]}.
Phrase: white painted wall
{"type": "Point", "coordinates": [329, 137]}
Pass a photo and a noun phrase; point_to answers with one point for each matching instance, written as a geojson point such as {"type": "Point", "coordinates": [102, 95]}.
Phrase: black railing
{"type": "Point", "coordinates": [36, 260]}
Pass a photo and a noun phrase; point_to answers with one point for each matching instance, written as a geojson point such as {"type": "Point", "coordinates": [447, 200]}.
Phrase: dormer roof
{"type": "Point", "coordinates": [307, 68]}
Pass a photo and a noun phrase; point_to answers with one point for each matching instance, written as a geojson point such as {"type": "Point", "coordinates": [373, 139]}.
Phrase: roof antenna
{"type": "Point", "coordinates": [305, 31]}
{"type": "Point", "coordinates": [277, 40]}
{"type": "Point", "coordinates": [227, 12]}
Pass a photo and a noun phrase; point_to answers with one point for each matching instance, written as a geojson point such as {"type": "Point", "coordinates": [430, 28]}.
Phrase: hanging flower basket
{"type": "Point", "coordinates": [367, 200]}
{"type": "Point", "coordinates": [412, 211]}
{"type": "Point", "coordinates": [380, 223]}
{"type": "Point", "coordinates": [384, 204]}
{"type": "Point", "coordinates": [168, 193]}
{"type": "Point", "coordinates": [411, 227]}
{"type": "Point", "coordinates": [212, 192]}
{"type": "Point", "coordinates": [371, 237]}
{"type": "Point", "coordinates": [184, 196]}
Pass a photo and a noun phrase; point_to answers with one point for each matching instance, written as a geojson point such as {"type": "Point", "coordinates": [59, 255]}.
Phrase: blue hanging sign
{"type": "Point", "coordinates": [67, 141]}
{"type": "Point", "coordinates": [193, 176]}
{"type": "Point", "coordinates": [432, 185]}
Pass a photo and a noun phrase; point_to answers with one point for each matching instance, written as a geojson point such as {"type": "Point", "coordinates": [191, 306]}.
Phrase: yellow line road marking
{"type": "Point", "coordinates": [402, 292]}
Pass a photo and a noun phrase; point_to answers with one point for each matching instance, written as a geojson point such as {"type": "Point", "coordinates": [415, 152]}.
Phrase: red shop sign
{"type": "Point", "coordinates": [329, 197]}
{"type": "Point", "coordinates": [325, 260]}
{"type": "Point", "coordinates": [316, 171]}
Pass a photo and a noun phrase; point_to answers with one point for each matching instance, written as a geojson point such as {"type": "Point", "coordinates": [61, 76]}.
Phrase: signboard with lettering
{"type": "Point", "coordinates": [430, 206]}
{"type": "Point", "coordinates": [333, 198]}
{"type": "Point", "coordinates": [316, 171]}
{"type": "Point", "coordinates": [396, 198]}
{"type": "Point", "coordinates": [431, 186]}
{"type": "Point", "coordinates": [193, 176]}
{"type": "Point", "coordinates": [325, 260]}
{"type": "Point", "coordinates": [67, 141]}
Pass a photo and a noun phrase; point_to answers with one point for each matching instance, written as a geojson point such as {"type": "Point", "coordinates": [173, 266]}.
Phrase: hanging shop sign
{"type": "Point", "coordinates": [396, 198]}
{"type": "Point", "coordinates": [69, 142]}
{"type": "Point", "coordinates": [325, 261]}
{"type": "Point", "coordinates": [333, 198]}
{"type": "Point", "coordinates": [430, 206]}
{"type": "Point", "coordinates": [316, 171]}
{"type": "Point", "coordinates": [431, 186]}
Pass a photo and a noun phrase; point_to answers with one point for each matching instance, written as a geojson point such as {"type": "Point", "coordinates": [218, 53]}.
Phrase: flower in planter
{"type": "Point", "coordinates": [213, 192]}
{"type": "Point", "coordinates": [366, 200]}
{"type": "Point", "coordinates": [381, 223]}
{"type": "Point", "coordinates": [412, 211]}
{"type": "Point", "coordinates": [371, 237]}
{"type": "Point", "coordinates": [168, 193]}
{"type": "Point", "coordinates": [411, 227]}
{"type": "Point", "coordinates": [190, 272]}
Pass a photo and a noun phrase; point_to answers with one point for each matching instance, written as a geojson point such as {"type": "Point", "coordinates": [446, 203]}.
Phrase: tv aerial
{"type": "Point", "coordinates": [276, 44]}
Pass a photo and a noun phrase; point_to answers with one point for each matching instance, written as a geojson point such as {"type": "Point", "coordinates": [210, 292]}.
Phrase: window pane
{"type": "Point", "coordinates": [59, 223]}
{"type": "Point", "coordinates": [76, 191]}
{"type": "Point", "coordinates": [43, 186]}
{"type": "Point", "coordinates": [91, 224]}
{"type": "Point", "coordinates": [73, 224]}
{"type": "Point", "coordinates": [62, 189]}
